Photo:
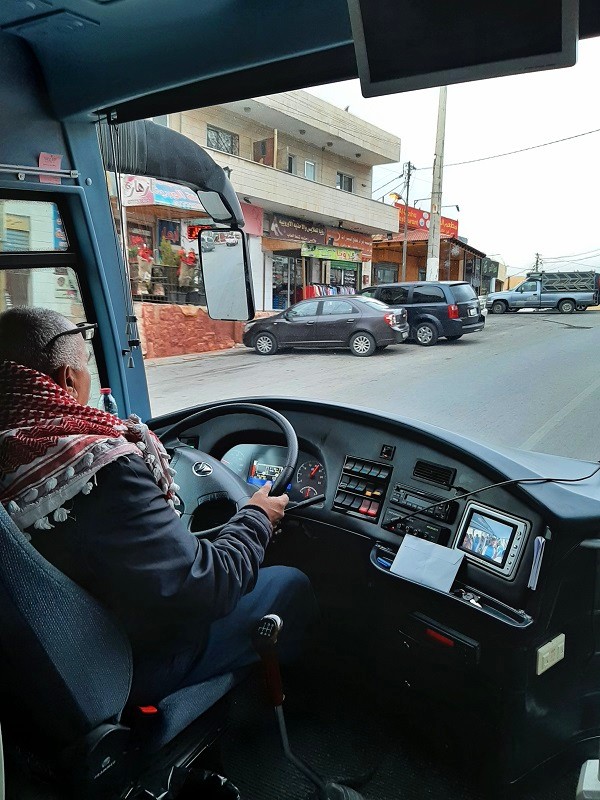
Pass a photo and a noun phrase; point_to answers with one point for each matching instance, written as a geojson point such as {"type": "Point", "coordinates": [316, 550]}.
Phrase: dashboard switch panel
{"type": "Point", "coordinates": [361, 488]}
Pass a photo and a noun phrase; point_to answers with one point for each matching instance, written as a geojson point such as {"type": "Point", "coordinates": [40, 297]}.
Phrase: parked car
{"type": "Point", "coordinates": [231, 240]}
{"type": "Point", "coordinates": [566, 291]}
{"type": "Point", "coordinates": [435, 308]}
{"type": "Point", "coordinates": [360, 323]}
{"type": "Point", "coordinates": [207, 244]}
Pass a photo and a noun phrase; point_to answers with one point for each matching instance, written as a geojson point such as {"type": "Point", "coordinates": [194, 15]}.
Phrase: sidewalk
{"type": "Point", "coordinates": [158, 362]}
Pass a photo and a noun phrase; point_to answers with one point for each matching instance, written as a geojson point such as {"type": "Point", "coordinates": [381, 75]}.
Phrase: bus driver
{"type": "Point", "coordinates": [96, 496]}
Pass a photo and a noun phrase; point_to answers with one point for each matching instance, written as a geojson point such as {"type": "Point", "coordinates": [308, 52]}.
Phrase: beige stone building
{"type": "Point", "coordinates": [303, 171]}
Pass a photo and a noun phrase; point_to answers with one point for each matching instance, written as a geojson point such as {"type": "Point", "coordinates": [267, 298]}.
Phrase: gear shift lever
{"type": "Point", "coordinates": [264, 640]}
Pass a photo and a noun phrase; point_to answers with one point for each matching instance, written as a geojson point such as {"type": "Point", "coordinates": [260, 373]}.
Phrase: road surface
{"type": "Point", "coordinates": [529, 380]}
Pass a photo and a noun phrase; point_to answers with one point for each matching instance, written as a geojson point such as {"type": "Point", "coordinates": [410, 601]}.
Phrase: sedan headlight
{"type": "Point", "coordinates": [247, 326]}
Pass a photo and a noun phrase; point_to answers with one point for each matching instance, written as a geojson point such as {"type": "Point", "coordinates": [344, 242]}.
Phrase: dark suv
{"type": "Point", "coordinates": [435, 308]}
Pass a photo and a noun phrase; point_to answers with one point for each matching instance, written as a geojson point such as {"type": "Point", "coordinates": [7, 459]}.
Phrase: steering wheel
{"type": "Point", "coordinates": [208, 480]}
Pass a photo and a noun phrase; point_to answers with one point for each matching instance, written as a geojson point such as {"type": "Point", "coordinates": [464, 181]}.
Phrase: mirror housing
{"type": "Point", "coordinates": [225, 268]}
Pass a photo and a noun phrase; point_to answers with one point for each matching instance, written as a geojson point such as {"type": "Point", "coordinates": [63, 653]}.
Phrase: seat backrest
{"type": "Point", "coordinates": [64, 660]}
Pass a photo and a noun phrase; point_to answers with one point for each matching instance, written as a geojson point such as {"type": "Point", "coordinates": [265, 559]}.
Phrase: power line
{"type": "Point", "coordinates": [595, 252]}
{"type": "Point", "coordinates": [521, 150]}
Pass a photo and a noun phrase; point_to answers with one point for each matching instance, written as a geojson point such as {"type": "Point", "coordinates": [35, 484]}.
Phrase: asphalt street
{"type": "Point", "coordinates": [529, 380]}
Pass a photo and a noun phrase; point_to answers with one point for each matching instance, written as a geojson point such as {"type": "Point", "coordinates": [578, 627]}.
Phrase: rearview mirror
{"type": "Point", "coordinates": [226, 274]}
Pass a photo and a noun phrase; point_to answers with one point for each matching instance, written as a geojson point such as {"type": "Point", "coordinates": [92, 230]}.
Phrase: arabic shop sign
{"type": "Point", "coordinates": [331, 253]}
{"type": "Point", "coordinates": [338, 237]}
{"type": "Point", "coordinates": [297, 230]}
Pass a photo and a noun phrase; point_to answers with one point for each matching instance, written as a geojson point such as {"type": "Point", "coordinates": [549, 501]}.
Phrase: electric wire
{"type": "Point", "coordinates": [514, 152]}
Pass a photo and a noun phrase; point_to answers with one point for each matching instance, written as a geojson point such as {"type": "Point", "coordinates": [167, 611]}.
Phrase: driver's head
{"type": "Point", "coordinates": [33, 338]}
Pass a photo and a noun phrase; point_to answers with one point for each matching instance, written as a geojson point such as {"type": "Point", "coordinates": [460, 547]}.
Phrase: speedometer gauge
{"type": "Point", "coordinates": [310, 479]}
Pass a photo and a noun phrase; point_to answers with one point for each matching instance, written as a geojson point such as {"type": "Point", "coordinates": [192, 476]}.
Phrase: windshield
{"type": "Point", "coordinates": [336, 192]}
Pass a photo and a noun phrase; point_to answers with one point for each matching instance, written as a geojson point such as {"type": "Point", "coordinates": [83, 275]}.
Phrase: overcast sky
{"type": "Point", "coordinates": [545, 200]}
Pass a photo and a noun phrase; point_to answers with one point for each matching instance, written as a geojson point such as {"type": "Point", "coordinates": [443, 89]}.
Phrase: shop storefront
{"type": "Point", "coordinates": [309, 260]}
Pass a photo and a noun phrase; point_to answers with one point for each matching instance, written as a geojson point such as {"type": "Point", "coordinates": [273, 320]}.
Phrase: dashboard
{"type": "Point", "coordinates": [387, 478]}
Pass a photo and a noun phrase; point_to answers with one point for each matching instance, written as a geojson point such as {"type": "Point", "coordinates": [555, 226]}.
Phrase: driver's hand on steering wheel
{"type": "Point", "coordinates": [273, 507]}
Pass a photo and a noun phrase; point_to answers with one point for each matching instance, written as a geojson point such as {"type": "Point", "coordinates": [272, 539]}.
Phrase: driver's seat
{"type": "Point", "coordinates": [66, 671]}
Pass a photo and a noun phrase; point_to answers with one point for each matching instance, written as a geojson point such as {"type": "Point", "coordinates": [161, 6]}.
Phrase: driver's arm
{"type": "Point", "coordinates": [143, 559]}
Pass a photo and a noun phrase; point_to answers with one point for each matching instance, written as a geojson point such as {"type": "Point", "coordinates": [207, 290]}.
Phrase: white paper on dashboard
{"type": "Point", "coordinates": [427, 563]}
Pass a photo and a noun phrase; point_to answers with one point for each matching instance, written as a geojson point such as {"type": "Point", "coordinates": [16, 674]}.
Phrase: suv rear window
{"type": "Point", "coordinates": [428, 294]}
{"type": "Point", "coordinates": [462, 292]}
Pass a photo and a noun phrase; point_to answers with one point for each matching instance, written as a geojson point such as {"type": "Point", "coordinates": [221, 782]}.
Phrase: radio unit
{"type": "Point", "coordinates": [415, 527]}
{"type": "Point", "coordinates": [419, 501]}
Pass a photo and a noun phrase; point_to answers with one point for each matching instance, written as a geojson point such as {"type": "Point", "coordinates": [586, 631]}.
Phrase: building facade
{"type": "Point", "coordinates": [303, 172]}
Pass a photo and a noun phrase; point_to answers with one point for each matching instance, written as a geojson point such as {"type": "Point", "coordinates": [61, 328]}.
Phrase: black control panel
{"type": "Point", "coordinates": [420, 528]}
{"type": "Point", "coordinates": [362, 488]}
{"type": "Point", "coordinates": [420, 501]}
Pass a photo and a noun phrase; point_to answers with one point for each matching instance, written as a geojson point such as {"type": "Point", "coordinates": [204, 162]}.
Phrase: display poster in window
{"type": "Point", "coordinates": [169, 229]}
{"type": "Point", "coordinates": [349, 277]}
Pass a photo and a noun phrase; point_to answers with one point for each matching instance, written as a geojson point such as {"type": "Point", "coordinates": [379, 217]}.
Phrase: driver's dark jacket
{"type": "Point", "coordinates": [127, 547]}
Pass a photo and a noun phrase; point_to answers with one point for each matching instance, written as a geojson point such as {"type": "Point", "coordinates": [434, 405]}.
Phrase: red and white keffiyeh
{"type": "Point", "coordinates": [51, 447]}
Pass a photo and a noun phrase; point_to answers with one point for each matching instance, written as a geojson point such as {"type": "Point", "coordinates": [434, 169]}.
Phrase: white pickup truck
{"type": "Point", "coordinates": [566, 291]}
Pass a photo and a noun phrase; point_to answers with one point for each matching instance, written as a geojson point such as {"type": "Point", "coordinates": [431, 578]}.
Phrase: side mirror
{"type": "Point", "coordinates": [226, 274]}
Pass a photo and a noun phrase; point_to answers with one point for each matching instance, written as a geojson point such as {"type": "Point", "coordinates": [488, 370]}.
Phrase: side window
{"type": "Point", "coordinates": [331, 307]}
{"type": "Point", "coordinates": [428, 294]}
{"type": "Point", "coordinates": [308, 309]}
{"type": "Point", "coordinates": [386, 295]}
{"type": "Point", "coordinates": [35, 227]}
{"type": "Point", "coordinates": [369, 293]}
{"type": "Point", "coordinates": [400, 295]}
{"type": "Point", "coordinates": [529, 286]}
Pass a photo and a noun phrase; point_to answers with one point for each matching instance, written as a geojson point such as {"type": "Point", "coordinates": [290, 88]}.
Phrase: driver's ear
{"type": "Point", "coordinates": [65, 377]}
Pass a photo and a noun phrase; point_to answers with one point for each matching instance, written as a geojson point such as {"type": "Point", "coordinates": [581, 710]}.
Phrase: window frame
{"type": "Point", "coordinates": [353, 310]}
{"type": "Point", "coordinates": [72, 257]}
{"type": "Point", "coordinates": [314, 170]}
{"type": "Point", "coordinates": [304, 303]}
{"type": "Point", "coordinates": [339, 182]}
{"type": "Point", "coordinates": [441, 300]}
{"type": "Point", "coordinates": [235, 137]}
{"type": "Point", "coordinates": [292, 164]}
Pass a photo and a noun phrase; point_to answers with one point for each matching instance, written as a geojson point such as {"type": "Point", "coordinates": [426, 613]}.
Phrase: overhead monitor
{"type": "Point", "coordinates": [414, 44]}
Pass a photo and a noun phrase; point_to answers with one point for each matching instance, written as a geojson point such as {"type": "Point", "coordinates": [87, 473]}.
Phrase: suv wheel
{"type": "Point", "coordinates": [265, 344]}
{"type": "Point", "coordinates": [362, 344]}
{"type": "Point", "coordinates": [498, 307]}
{"type": "Point", "coordinates": [425, 334]}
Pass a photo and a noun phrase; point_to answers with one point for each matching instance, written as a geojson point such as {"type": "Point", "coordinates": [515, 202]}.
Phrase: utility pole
{"type": "Point", "coordinates": [433, 244]}
{"type": "Point", "coordinates": [538, 262]}
{"type": "Point", "coordinates": [408, 170]}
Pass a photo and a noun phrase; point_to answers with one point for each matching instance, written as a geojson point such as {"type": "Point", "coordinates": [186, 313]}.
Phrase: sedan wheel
{"type": "Point", "coordinates": [362, 344]}
{"type": "Point", "coordinates": [265, 344]}
{"type": "Point", "coordinates": [426, 334]}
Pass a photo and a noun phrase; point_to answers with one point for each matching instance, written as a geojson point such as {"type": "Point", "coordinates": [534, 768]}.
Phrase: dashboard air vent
{"type": "Point", "coordinates": [434, 473]}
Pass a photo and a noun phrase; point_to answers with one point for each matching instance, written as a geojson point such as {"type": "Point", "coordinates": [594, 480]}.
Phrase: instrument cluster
{"type": "Point", "coordinates": [258, 463]}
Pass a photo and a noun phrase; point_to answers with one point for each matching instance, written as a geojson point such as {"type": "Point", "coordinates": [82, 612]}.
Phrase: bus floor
{"type": "Point", "coordinates": [333, 726]}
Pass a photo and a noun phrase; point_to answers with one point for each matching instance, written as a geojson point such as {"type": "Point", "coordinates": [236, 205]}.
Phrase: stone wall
{"type": "Point", "coordinates": [172, 330]}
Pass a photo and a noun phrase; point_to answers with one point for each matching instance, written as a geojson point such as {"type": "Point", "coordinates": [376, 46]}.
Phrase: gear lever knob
{"type": "Point", "coordinates": [264, 640]}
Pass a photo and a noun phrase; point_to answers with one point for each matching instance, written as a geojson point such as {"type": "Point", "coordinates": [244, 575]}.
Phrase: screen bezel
{"type": "Point", "coordinates": [468, 522]}
{"type": "Point", "coordinates": [516, 545]}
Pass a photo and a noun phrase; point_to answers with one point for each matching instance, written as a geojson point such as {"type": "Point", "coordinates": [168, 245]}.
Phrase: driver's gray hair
{"type": "Point", "coordinates": [25, 333]}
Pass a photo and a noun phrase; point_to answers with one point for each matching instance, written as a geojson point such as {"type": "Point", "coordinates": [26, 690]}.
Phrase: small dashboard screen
{"type": "Point", "coordinates": [261, 472]}
{"type": "Point", "coordinates": [487, 538]}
